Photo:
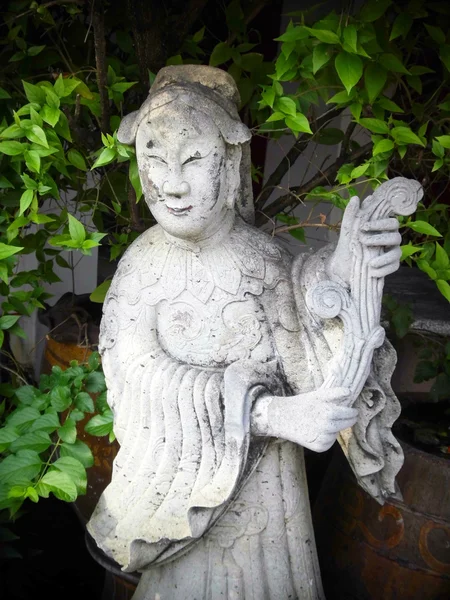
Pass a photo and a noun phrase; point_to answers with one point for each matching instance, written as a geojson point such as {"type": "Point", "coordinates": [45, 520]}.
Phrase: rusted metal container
{"type": "Point", "coordinates": [399, 551]}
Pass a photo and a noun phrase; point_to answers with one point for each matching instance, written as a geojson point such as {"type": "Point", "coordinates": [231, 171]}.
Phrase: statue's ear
{"type": "Point", "coordinates": [126, 133]}
{"type": "Point", "coordinates": [233, 178]}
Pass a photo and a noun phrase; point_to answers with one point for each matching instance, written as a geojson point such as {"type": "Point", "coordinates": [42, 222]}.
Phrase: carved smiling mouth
{"type": "Point", "coordinates": [179, 211]}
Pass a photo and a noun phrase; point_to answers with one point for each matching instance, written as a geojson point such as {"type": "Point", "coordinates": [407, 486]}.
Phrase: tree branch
{"type": "Point", "coordinates": [321, 179]}
{"type": "Point", "coordinates": [136, 221]}
{"type": "Point", "coordinates": [289, 160]}
{"type": "Point", "coordinates": [98, 25]}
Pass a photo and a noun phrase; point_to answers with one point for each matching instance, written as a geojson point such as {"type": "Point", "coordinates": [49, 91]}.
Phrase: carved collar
{"type": "Point", "coordinates": [155, 268]}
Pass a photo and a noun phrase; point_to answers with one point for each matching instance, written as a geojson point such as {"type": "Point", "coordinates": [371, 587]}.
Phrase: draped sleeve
{"type": "Point", "coordinates": [374, 454]}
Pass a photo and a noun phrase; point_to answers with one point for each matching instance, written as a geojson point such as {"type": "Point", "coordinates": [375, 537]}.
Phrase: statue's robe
{"type": "Point", "coordinates": [199, 504]}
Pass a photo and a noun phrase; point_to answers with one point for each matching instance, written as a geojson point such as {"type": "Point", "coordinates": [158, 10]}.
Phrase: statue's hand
{"type": "Point", "coordinates": [312, 420]}
{"type": "Point", "coordinates": [377, 233]}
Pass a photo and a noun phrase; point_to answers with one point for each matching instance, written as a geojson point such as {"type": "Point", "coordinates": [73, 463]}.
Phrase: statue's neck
{"type": "Point", "coordinates": [212, 236]}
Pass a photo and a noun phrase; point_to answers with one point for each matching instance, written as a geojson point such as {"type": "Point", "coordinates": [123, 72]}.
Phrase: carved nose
{"type": "Point", "coordinates": [177, 189]}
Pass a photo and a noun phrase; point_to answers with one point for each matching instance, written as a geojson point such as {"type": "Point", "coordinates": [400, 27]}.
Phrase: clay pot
{"type": "Point", "coordinates": [397, 551]}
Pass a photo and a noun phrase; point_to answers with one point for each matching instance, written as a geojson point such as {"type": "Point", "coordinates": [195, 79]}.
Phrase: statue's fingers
{"type": "Point", "coordinates": [336, 394]}
{"type": "Point", "coordinates": [381, 239]}
{"type": "Point", "coordinates": [390, 224]}
{"type": "Point", "coordinates": [386, 270]}
{"type": "Point", "coordinates": [350, 213]}
{"type": "Point", "coordinates": [392, 256]}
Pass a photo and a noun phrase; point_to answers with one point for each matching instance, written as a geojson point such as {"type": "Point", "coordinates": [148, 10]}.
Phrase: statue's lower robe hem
{"type": "Point", "coordinates": [261, 548]}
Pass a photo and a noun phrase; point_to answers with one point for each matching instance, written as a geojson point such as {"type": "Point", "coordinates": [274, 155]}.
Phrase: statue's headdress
{"type": "Point", "coordinates": [213, 92]}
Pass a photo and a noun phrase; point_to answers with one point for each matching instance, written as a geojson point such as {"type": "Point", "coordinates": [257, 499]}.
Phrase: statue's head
{"type": "Point", "coordinates": [192, 150]}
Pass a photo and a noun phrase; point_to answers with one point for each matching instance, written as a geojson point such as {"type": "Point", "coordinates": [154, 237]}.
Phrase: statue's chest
{"type": "Point", "coordinates": [215, 333]}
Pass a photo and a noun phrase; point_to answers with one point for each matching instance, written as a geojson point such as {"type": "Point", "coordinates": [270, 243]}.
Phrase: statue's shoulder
{"type": "Point", "coordinates": [266, 245]}
{"type": "Point", "coordinates": [128, 278]}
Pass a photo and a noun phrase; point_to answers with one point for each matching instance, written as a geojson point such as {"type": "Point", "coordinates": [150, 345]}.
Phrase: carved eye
{"type": "Point", "coordinates": [157, 158]}
{"type": "Point", "coordinates": [196, 156]}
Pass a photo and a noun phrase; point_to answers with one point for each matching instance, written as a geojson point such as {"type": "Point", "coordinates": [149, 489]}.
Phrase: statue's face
{"type": "Point", "coordinates": [181, 160]}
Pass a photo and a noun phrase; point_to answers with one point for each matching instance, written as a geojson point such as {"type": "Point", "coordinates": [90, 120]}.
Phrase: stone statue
{"type": "Point", "coordinates": [224, 357]}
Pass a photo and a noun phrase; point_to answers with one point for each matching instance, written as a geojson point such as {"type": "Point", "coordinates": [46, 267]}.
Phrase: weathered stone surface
{"type": "Point", "coordinates": [224, 357]}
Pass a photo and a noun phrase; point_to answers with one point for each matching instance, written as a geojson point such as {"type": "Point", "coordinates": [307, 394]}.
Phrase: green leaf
{"type": "Point", "coordinates": [4, 94]}
{"type": "Point", "coordinates": [374, 125]}
{"type": "Point", "coordinates": [13, 131]}
{"type": "Point", "coordinates": [444, 55]}
{"type": "Point", "coordinates": [76, 230]}
{"type": "Point", "coordinates": [401, 26]}
{"type": "Point", "coordinates": [286, 106]}
{"type": "Point", "coordinates": [50, 115]}
{"type": "Point", "coordinates": [375, 77]}
{"type": "Point", "coordinates": [276, 116]}
{"type": "Point", "coordinates": [330, 136]}
{"type": "Point", "coordinates": [40, 219]}
{"type": "Point", "coordinates": [444, 140]}
{"type": "Point", "coordinates": [444, 288]}
{"type": "Point", "coordinates": [84, 402]}
{"type": "Point", "coordinates": [356, 110]}
{"type": "Point", "coordinates": [221, 54]}
{"type": "Point", "coordinates": [423, 227]}
{"type": "Point", "coordinates": [22, 418]}
{"type": "Point", "coordinates": [409, 250]}
{"type": "Point", "coordinates": [383, 146]}
{"type": "Point", "coordinates": [99, 294]}
{"type": "Point", "coordinates": [133, 174]}
{"type": "Point", "coordinates": [349, 67]}
{"type": "Point", "coordinates": [436, 33]}
{"type": "Point", "coordinates": [293, 35]}
{"type": "Point", "coordinates": [61, 485]}
{"type": "Point", "coordinates": [62, 127]}
{"type": "Point", "coordinates": [48, 422]}
{"type": "Point", "coordinates": [38, 441]}
{"type": "Point", "coordinates": [34, 93]}
{"type": "Point", "coordinates": [100, 424]}
{"type": "Point", "coordinates": [25, 200]}
{"type": "Point", "coordinates": [373, 10]}
{"type": "Point", "coordinates": [37, 135]}
{"type": "Point", "coordinates": [7, 321]}
{"type": "Point", "coordinates": [298, 123]}
{"type": "Point", "coordinates": [341, 97]}
{"type": "Point", "coordinates": [76, 159]}
{"type": "Point", "coordinates": [106, 156]}
{"type": "Point", "coordinates": [7, 435]}
{"type": "Point", "coordinates": [392, 63]}
{"type": "Point", "coordinates": [358, 171]}
{"type": "Point", "coordinates": [12, 148]}
{"type": "Point", "coordinates": [442, 260]}
{"type": "Point", "coordinates": [33, 161]}
{"type": "Point", "coordinates": [26, 464]}
{"type": "Point", "coordinates": [68, 432]}
{"type": "Point", "coordinates": [26, 394]}
{"type": "Point", "coordinates": [350, 36]}
{"type": "Point", "coordinates": [404, 135]}
{"type": "Point", "coordinates": [123, 86]}
{"type": "Point", "coordinates": [95, 382]}
{"type": "Point", "coordinates": [321, 55]}
{"type": "Point", "coordinates": [389, 105]}
{"type": "Point", "coordinates": [74, 469]}
{"type": "Point", "coordinates": [60, 398]}
{"type": "Point", "coordinates": [6, 251]}
{"type": "Point", "coordinates": [324, 35]}
{"type": "Point", "coordinates": [35, 50]}
{"type": "Point", "coordinates": [80, 451]}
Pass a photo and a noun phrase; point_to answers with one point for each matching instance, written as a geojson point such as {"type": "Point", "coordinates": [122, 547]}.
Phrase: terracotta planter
{"type": "Point", "coordinates": [399, 551]}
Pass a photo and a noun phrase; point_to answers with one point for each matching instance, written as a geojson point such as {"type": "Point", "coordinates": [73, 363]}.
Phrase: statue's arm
{"type": "Point", "coordinates": [312, 419]}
